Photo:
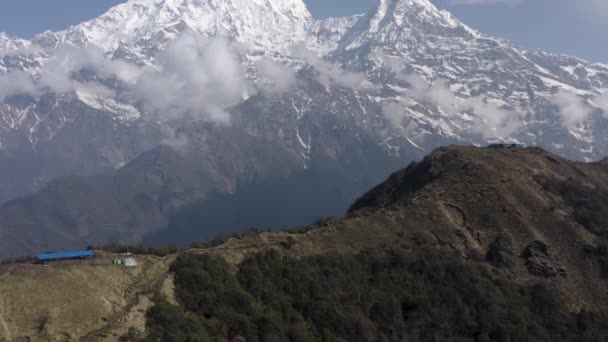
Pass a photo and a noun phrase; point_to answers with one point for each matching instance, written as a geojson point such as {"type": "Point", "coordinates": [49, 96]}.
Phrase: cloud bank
{"type": "Point", "coordinates": [572, 109]}
{"type": "Point", "coordinates": [60, 74]}
{"type": "Point", "coordinates": [488, 119]}
{"type": "Point", "coordinates": [329, 74]}
{"type": "Point", "coordinates": [601, 101]}
{"type": "Point", "coordinates": [196, 77]}
{"type": "Point", "coordinates": [274, 77]}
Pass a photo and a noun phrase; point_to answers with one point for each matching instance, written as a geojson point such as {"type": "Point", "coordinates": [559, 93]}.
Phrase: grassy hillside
{"type": "Point", "coordinates": [77, 300]}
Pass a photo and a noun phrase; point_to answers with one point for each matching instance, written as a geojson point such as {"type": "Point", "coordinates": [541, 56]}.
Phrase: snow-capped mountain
{"type": "Point", "coordinates": [139, 26]}
{"type": "Point", "coordinates": [401, 79]}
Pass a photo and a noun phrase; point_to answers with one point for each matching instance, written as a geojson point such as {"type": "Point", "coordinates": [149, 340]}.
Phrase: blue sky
{"type": "Point", "coordinates": [578, 27]}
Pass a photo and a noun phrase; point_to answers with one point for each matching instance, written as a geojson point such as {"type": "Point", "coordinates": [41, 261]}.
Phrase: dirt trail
{"type": "Point", "coordinates": [5, 333]}
{"type": "Point", "coordinates": [142, 300]}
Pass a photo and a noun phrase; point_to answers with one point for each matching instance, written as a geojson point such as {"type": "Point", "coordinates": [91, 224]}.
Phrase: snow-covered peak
{"type": "Point", "coordinates": [9, 43]}
{"type": "Point", "coordinates": [324, 36]}
{"type": "Point", "coordinates": [262, 24]}
{"type": "Point", "coordinates": [395, 22]}
{"type": "Point", "coordinates": [397, 9]}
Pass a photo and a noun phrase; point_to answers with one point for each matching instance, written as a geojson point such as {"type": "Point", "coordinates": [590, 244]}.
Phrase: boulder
{"type": "Point", "coordinates": [539, 261]}
{"type": "Point", "coordinates": [500, 253]}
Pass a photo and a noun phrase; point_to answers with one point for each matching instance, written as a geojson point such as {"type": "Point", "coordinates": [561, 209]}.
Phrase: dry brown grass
{"type": "Point", "coordinates": [70, 300]}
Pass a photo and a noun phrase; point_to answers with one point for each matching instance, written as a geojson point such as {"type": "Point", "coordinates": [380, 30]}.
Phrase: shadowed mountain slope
{"type": "Point", "coordinates": [165, 197]}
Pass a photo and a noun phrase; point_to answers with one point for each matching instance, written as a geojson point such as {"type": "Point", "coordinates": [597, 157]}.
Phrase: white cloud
{"type": "Point", "coordinates": [276, 78]}
{"type": "Point", "coordinates": [16, 82]}
{"type": "Point", "coordinates": [175, 139]}
{"type": "Point", "coordinates": [395, 64]}
{"type": "Point", "coordinates": [601, 101]}
{"type": "Point", "coordinates": [394, 113]}
{"type": "Point", "coordinates": [573, 110]}
{"type": "Point", "coordinates": [329, 74]}
{"type": "Point", "coordinates": [196, 77]}
{"type": "Point", "coordinates": [440, 94]}
{"type": "Point", "coordinates": [57, 75]}
{"type": "Point", "coordinates": [491, 120]}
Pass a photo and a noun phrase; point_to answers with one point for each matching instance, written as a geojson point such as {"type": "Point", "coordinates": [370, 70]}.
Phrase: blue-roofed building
{"type": "Point", "coordinates": [65, 256]}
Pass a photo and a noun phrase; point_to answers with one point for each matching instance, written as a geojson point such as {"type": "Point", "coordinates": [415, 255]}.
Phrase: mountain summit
{"type": "Point", "coordinates": [260, 23]}
{"type": "Point", "coordinates": [394, 22]}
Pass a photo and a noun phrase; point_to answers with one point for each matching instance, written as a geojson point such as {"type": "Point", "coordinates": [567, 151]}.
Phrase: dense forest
{"type": "Point", "coordinates": [388, 295]}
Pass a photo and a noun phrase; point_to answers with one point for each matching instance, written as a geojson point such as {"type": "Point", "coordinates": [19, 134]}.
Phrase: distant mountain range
{"type": "Point", "coordinates": [256, 94]}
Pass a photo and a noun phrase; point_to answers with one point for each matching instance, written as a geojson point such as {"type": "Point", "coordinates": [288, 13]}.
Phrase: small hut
{"type": "Point", "coordinates": [129, 262]}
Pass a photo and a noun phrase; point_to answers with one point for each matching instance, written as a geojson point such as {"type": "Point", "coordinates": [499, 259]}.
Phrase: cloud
{"type": "Point", "coordinates": [437, 93]}
{"type": "Point", "coordinates": [197, 77]}
{"type": "Point", "coordinates": [601, 101]}
{"type": "Point", "coordinates": [493, 121]}
{"type": "Point", "coordinates": [329, 74]}
{"type": "Point", "coordinates": [276, 78]}
{"type": "Point", "coordinates": [175, 139]}
{"type": "Point", "coordinates": [60, 74]}
{"type": "Point", "coordinates": [572, 109]}
{"type": "Point", "coordinates": [15, 83]}
{"type": "Point", "coordinates": [490, 120]}
{"type": "Point", "coordinates": [395, 64]}
{"type": "Point", "coordinates": [394, 113]}
{"type": "Point", "coordinates": [194, 77]}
